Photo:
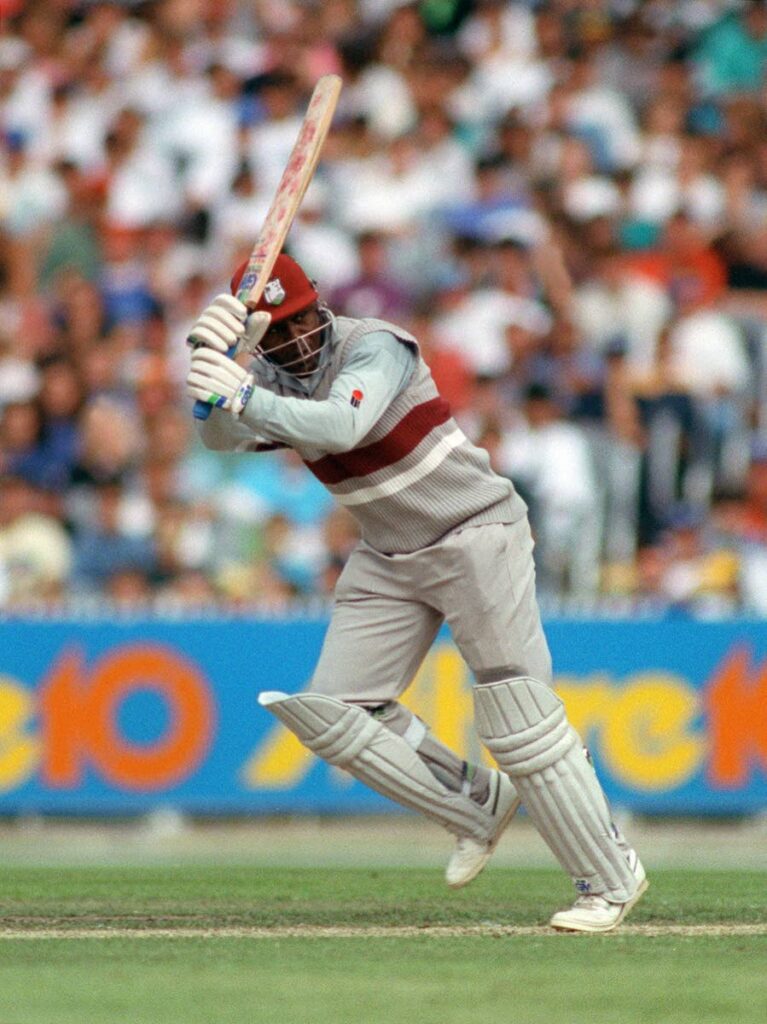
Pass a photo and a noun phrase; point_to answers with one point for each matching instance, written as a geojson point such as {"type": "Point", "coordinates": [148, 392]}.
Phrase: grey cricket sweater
{"type": "Point", "coordinates": [412, 478]}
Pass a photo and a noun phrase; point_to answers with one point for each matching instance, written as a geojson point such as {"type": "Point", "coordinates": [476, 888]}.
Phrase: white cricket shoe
{"type": "Point", "coordinates": [470, 855]}
{"type": "Point", "coordinates": [591, 913]}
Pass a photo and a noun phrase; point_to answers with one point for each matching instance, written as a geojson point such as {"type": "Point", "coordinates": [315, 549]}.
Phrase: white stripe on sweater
{"type": "Point", "coordinates": [428, 464]}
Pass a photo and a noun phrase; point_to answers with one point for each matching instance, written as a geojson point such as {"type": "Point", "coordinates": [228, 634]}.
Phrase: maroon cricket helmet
{"type": "Point", "coordinates": [288, 290]}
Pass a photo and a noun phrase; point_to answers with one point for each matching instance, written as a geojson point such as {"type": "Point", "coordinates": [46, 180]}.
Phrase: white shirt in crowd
{"type": "Point", "coordinates": [477, 327]}
{"type": "Point", "coordinates": [143, 190]}
{"type": "Point", "coordinates": [634, 308]}
{"type": "Point", "coordinates": [555, 463]}
{"type": "Point", "coordinates": [708, 354]}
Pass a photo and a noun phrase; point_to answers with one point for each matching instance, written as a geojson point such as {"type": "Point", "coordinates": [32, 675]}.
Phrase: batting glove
{"type": "Point", "coordinates": [217, 379]}
{"type": "Point", "coordinates": [224, 325]}
{"type": "Point", "coordinates": [221, 325]}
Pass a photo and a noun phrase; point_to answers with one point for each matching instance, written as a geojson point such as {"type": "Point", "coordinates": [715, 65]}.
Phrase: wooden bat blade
{"type": "Point", "coordinates": [293, 184]}
{"type": "Point", "coordinates": [290, 191]}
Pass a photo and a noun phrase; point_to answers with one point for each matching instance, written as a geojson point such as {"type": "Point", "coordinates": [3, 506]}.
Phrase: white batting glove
{"type": "Point", "coordinates": [221, 325]}
{"type": "Point", "coordinates": [217, 379]}
{"type": "Point", "coordinates": [225, 325]}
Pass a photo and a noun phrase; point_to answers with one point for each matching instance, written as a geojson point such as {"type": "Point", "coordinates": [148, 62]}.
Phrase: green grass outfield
{"type": "Point", "coordinates": [263, 944]}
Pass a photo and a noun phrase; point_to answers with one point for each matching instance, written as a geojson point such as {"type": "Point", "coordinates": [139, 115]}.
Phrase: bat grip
{"type": "Point", "coordinates": [201, 409]}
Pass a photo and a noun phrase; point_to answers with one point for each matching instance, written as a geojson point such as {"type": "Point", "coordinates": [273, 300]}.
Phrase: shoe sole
{"type": "Point", "coordinates": [504, 822]}
{"type": "Point", "coordinates": [594, 929]}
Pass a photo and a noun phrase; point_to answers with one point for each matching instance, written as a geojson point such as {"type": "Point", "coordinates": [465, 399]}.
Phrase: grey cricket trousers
{"type": "Point", "coordinates": [389, 608]}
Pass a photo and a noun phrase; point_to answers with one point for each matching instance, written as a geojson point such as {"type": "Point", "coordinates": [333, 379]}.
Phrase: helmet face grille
{"type": "Point", "coordinates": [308, 348]}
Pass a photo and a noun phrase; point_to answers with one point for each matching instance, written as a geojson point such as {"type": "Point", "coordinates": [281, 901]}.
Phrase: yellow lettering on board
{"type": "Point", "coordinates": [19, 752]}
{"type": "Point", "coordinates": [441, 696]}
{"type": "Point", "coordinates": [647, 739]}
{"type": "Point", "coordinates": [587, 702]}
{"type": "Point", "coordinates": [280, 763]}
{"type": "Point", "coordinates": [453, 706]}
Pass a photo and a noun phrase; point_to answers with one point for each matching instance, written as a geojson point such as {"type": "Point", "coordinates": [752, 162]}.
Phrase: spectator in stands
{"type": "Point", "coordinates": [278, 484]}
{"type": "Point", "coordinates": [60, 401]}
{"type": "Point", "coordinates": [139, 181]}
{"type": "Point", "coordinates": [108, 544]}
{"type": "Point", "coordinates": [709, 359]}
{"type": "Point", "coordinates": [313, 235]}
{"type": "Point", "coordinates": [552, 461]}
{"type": "Point", "coordinates": [732, 54]}
{"type": "Point", "coordinates": [700, 576]}
{"type": "Point", "coordinates": [78, 318]}
{"type": "Point", "coordinates": [73, 242]}
{"type": "Point", "coordinates": [448, 366]}
{"type": "Point", "coordinates": [742, 525]}
{"type": "Point", "coordinates": [35, 549]}
{"type": "Point", "coordinates": [19, 377]}
{"type": "Point", "coordinates": [33, 194]}
{"type": "Point", "coordinates": [477, 325]}
{"type": "Point", "coordinates": [110, 444]}
{"type": "Point", "coordinates": [24, 449]}
{"type": "Point", "coordinates": [373, 292]}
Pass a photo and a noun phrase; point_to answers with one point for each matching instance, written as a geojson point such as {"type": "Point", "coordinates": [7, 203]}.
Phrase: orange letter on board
{"type": "Point", "coordinates": [737, 720]}
{"type": "Point", "coordinates": [79, 719]}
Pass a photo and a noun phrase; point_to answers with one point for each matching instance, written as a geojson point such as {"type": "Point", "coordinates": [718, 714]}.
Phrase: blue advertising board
{"type": "Point", "coordinates": [119, 717]}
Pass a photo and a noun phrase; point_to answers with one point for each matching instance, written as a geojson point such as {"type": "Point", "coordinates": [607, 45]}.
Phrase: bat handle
{"type": "Point", "coordinates": [201, 409]}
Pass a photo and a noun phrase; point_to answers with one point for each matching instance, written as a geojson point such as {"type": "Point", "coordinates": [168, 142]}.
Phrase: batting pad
{"type": "Point", "coordinates": [524, 725]}
{"type": "Point", "coordinates": [347, 736]}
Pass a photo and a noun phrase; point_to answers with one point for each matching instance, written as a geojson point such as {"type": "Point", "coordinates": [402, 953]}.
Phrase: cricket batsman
{"type": "Point", "coordinates": [443, 538]}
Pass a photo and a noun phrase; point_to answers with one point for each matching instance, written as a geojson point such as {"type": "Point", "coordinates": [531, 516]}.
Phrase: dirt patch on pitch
{"type": "Point", "coordinates": [343, 932]}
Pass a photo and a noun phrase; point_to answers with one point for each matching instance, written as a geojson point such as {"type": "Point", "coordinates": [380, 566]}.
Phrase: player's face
{"type": "Point", "coordinates": [295, 344]}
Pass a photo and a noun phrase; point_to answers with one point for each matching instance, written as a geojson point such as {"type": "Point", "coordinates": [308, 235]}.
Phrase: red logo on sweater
{"type": "Point", "coordinates": [356, 398]}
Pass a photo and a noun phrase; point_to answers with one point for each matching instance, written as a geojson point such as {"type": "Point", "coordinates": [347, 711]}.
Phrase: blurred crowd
{"type": "Point", "coordinates": [565, 201]}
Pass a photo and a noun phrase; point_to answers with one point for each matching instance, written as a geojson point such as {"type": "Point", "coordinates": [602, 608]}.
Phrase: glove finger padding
{"type": "Point", "coordinates": [218, 338]}
{"type": "Point", "coordinates": [218, 367]}
{"type": "Point", "coordinates": [232, 305]}
{"type": "Point", "coordinates": [221, 324]}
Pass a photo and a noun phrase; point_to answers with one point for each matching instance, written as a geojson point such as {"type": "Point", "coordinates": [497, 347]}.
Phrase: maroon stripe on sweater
{"type": "Point", "coordinates": [399, 442]}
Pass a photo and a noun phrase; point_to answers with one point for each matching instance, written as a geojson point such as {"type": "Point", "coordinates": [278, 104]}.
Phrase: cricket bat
{"type": "Point", "coordinates": [287, 199]}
